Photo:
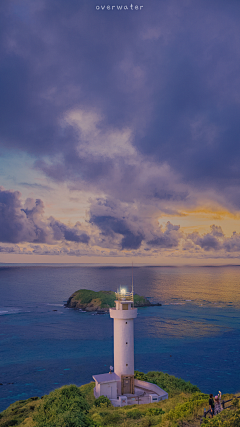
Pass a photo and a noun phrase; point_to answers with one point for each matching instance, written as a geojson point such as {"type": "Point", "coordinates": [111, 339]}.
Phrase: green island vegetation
{"type": "Point", "coordinates": [72, 406]}
{"type": "Point", "coordinates": [100, 301]}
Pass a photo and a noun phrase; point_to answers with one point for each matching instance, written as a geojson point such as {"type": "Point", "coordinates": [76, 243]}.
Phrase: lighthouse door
{"type": "Point", "coordinates": [126, 385]}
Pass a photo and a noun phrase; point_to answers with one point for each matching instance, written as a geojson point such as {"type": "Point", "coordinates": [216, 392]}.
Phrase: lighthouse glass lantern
{"type": "Point", "coordinates": [124, 314]}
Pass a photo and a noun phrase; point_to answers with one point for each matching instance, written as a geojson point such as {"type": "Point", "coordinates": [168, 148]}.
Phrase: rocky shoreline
{"type": "Point", "coordinates": [100, 302]}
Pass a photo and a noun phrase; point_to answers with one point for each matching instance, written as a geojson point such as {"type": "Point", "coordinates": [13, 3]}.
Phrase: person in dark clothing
{"type": "Point", "coordinates": [211, 405]}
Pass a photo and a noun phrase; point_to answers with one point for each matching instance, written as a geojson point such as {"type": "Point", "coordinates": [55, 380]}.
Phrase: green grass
{"type": "Point", "coordinates": [169, 383]}
{"type": "Point", "coordinates": [19, 411]}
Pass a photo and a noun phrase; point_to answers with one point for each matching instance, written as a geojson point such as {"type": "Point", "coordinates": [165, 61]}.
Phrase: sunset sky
{"type": "Point", "coordinates": [120, 131]}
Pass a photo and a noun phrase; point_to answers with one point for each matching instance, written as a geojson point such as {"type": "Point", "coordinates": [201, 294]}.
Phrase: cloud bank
{"type": "Point", "coordinates": [140, 109]}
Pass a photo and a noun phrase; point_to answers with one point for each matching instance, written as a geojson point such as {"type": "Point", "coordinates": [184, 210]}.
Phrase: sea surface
{"type": "Point", "coordinates": [194, 335]}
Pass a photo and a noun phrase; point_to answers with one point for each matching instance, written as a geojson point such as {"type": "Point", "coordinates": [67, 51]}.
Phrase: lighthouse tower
{"type": "Point", "coordinates": [124, 314]}
{"type": "Point", "coordinates": [118, 385]}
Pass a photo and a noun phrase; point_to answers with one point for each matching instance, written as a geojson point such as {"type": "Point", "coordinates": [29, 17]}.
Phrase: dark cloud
{"type": "Point", "coordinates": [114, 219]}
{"type": "Point", "coordinates": [14, 225]}
{"type": "Point", "coordinates": [61, 231]}
{"type": "Point", "coordinates": [27, 224]}
{"type": "Point", "coordinates": [207, 242]}
{"type": "Point", "coordinates": [232, 244]}
{"type": "Point", "coordinates": [9, 249]}
{"type": "Point", "coordinates": [110, 225]}
{"type": "Point", "coordinates": [171, 78]}
{"type": "Point", "coordinates": [216, 240]}
{"type": "Point", "coordinates": [167, 239]}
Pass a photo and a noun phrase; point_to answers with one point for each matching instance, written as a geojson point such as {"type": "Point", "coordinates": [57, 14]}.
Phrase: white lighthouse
{"type": "Point", "coordinates": [124, 314]}
{"type": "Point", "coordinates": [120, 386]}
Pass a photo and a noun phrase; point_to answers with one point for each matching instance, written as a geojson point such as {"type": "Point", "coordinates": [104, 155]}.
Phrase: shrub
{"type": "Point", "coordinates": [134, 414]}
{"type": "Point", "coordinates": [10, 423]}
{"type": "Point", "coordinates": [146, 422]}
{"type": "Point", "coordinates": [102, 401]}
{"type": "Point", "coordinates": [87, 392]}
{"type": "Point", "coordinates": [110, 418]}
{"type": "Point", "coordinates": [156, 411]}
{"type": "Point", "coordinates": [66, 407]}
{"type": "Point", "coordinates": [235, 402]}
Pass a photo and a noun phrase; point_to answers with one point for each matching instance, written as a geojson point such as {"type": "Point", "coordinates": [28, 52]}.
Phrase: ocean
{"type": "Point", "coordinates": [194, 335]}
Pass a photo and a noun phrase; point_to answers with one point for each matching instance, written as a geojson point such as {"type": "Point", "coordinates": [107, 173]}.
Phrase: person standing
{"type": "Point", "coordinates": [211, 405]}
{"type": "Point", "coordinates": [218, 406]}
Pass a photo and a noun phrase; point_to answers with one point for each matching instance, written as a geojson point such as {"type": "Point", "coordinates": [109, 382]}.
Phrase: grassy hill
{"type": "Point", "coordinates": [72, 406]}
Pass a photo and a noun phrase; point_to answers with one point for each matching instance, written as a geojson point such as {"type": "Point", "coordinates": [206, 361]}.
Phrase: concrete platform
{"type": "Point", "coordinates": [144, 393]}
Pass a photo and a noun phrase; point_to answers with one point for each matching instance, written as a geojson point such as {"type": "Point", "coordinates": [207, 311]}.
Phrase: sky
{"type": "Point", "coordinates": [120, 131]}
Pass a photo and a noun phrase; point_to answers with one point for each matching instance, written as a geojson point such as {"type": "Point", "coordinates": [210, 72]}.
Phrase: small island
{"type": "Point", "coordinates": [101, 301]}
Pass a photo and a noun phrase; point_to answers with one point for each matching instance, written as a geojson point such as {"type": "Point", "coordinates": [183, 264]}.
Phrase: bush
{"type": "Point", "coordinates": [87, 392]}
{"type": "Point", "coordinates": [102, 401]}
{"type": "Point", "coordinates": [156, 411]}
{"type": "Point", "coordinates": [110, 418]}
{"type": "Point", "coordinates": [134, 414]}
{"type": "Point", "coordinates": [146, 422]}
{"type": "Point", "coordinates": [10, 423]}
{"type": "Point", "coordinates": [235, 402]}
{"type": "Point", "coordinates": [66, 407]}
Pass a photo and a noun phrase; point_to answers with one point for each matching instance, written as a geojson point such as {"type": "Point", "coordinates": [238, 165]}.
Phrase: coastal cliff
{"type": "Point", "coordinates": [87, 300]}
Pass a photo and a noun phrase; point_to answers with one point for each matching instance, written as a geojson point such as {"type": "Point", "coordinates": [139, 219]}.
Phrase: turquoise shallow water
{"type": "Point", "coordinates": [193, 335]}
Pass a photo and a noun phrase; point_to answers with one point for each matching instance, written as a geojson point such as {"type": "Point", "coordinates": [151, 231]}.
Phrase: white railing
{"type": "Point", "coordinates": [123, 295]}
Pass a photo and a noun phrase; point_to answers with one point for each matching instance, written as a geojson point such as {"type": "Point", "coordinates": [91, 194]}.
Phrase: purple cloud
{"type": "Point", "coordinates": [72, 234]}
{"type": "Point", "coordinates": [170, 78]}
{"type": "Point", "coordinates": [110, 225]}
{"type": "Point", "coordinates": [27, 224]}
{"type": "Point", "coordinates": [140, 108]}
{"type": "Point", "coordinates": [115, 220]}
{"type": "Point", "coordinates": [167, 239]}
{"type": "Point", "coordinates": [215, 241]}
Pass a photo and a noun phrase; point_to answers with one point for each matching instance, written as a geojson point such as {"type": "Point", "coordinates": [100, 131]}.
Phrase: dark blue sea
{"type": "Point", "coordinates": [194, 335]}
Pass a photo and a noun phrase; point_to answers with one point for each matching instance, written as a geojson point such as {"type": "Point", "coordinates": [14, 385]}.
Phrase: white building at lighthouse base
{"type": "Point", "coordinates": [106, 385]}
